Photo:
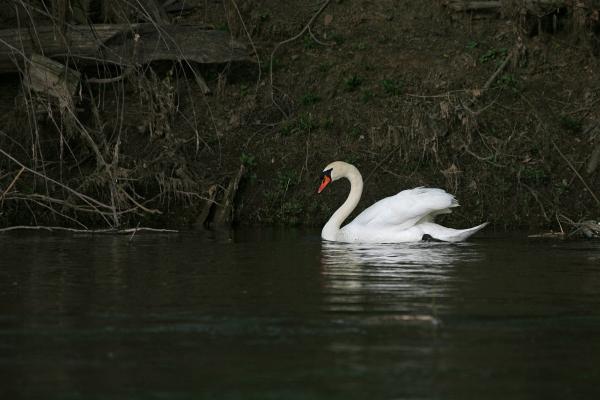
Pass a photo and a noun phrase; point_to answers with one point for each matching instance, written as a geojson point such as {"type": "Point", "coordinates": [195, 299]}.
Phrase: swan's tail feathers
{"type": "Point", "coordinates": [464, 234]}
{"type": "Point", "coordinates": [448, 234]}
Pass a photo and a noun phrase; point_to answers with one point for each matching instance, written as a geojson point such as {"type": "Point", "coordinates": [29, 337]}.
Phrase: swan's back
{"type": "Point", "coordinates": [406, 209]}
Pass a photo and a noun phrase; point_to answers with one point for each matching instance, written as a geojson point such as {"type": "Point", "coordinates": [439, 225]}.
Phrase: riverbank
{"type": "Point", "coordinates": [412, 93]}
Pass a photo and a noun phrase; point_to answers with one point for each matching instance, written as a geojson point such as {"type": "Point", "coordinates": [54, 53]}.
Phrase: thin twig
{"type": "Point", "coordinates": [10, 186]}
{"type": "Point", "coordinates": [51, 209]}
{"type": "Point", "coordinates": [576, 173]}
{"type": "Point", "coordinates": [537, 199]}
{"type": "Point", "coordinates": [295, 37]}
{"type": "Point", "coordinates": [91, 231]}
{"type": "Point", "coordinates": [148, 210]}
{"type": "Point", "coordinates": [499, 70]}
{"type": "Point", "coordinates": [36, 196]}
{"type": "Point", "coordinates": [559, 224]}
{"type": "Point", "coordinates": [134, 232]}
{"type": "Point", "coordinates": [251, 41]}
{"type": "Point", "coordinates": [118, 78]}
{"type": "Point", "coordinates": [91, 201]}
{"type": "Point", "coordinates": [384, 159]}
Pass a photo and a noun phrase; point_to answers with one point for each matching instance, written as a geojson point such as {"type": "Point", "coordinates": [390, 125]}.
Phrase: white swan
{"type": "Point", "coordinates": [406, 217]}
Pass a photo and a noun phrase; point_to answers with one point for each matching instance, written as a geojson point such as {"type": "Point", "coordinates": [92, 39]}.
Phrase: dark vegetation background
{"type": "Point", "coordinates": [499, 106]}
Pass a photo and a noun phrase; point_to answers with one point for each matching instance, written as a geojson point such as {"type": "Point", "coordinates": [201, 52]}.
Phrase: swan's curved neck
{"type": "Point", "coordinates": [332, 227]}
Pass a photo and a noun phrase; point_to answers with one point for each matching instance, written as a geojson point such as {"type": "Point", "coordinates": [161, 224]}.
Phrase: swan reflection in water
{"type": "Point", "coordinates": [423, 254]}
{"type": "Point", "coordinates": [400, 277]}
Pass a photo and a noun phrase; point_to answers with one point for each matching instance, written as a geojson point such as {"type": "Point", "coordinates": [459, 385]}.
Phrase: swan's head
{"type": "Point", "coordinates": [333, 172]}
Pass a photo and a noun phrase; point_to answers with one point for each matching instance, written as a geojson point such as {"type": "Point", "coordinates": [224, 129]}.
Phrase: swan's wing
{"type": "Point", "coordinates": [407, 208]}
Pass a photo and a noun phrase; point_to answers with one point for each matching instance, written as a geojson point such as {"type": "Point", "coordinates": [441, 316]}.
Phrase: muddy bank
{"type": "Point", "coordinates": [499, 108]}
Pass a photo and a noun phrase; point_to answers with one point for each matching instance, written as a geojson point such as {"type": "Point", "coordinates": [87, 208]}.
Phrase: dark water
{"type": "Point", "coordinates": [279, 315]}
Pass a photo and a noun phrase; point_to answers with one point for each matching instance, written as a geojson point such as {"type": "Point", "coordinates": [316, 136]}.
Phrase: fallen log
{"type": "Point", "coordinates": [120, 44]}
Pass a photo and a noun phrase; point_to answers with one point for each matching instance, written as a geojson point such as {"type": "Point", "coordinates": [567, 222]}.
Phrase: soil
{"type": "Point", "coordinates": [397, 88]}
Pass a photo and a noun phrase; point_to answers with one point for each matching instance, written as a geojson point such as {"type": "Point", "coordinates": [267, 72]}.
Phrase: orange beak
{"type": "Point", "coordinates": [326, 181]}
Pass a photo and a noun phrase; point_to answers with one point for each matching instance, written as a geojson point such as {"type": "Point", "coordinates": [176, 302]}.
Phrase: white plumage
{"type": "Point", "coordinates": [404, 217]}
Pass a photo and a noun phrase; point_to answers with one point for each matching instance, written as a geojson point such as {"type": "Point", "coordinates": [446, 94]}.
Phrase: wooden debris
{"type": "Point", "coordinates": [224, 213]}
{"type": "Point", "coordinates": [593, 161]}
{"type": "Point", "coordinates": [89, 231]}
{"type": "Point", "coordinates": [12, 183]}
{"type": "Point", "coordinates": [534, 6]}
{"type": "Point", "coordinates": [590, 229]}
{"type": "Point", "coordinates": [460, 5]}
{"type": "Point", "coordinates": [548, 235]}
{"type": "Point", "coordinates": [121, 44]}
{"type": "Point", "coordinates": [500, 68]}
{"type": "Point", "coordinates": [178, 7]}
{"type": "Point", "coordinates": [583, 181]}
{"type": "Point", "coordinates": [203, 219]}
{"type": "Point", "coordinates": [218, 210]}
{"type": "Point", "coordinates": [52, 79]}
{"type": "Point", "coordinates": [154, 10]}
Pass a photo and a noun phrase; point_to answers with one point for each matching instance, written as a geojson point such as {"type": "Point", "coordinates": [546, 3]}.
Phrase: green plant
{"type": "Point", "coordinates": [571, 124]}
{"type": "Point", "coordinates": [307, 123]}
{"type": "Point", "coordinates": [392, 87]}
{"type": "Point", "coordinates": [327, 122]}
{"type": "Point", "coordinates": [471, 44]}
{"type": "Point", "coordinates": [352, 83]}
{"type": "Point", "coordinates": [492, 54]}
{"type": "Point", "coordinates": [291, 208]}
{"type": "Point", "coordinates": [285, 179]}
{"type": "Point", "coordinates": [287, 128]}
{"type": "Point", "coordinates": [366, 96]}
{"type": "Point", "coordinates": [337, 38]}
{"type": "Point", "coordinates": [243, 89]}
{"type": "Point", "coordinates": [310, 98]}
{"type": "Point", "coordinates": [324, 67]}
{"type": "Point", "coordinates": [383, 39]}
{"type": "Point", "coordinates": [488, 56]}
{"type": "Point", "coordinates": [361, 46]}
{"type": "Point", "coordinates": [248, 160]}
{"type": "Point", "coordinates": [508, 81]}
{"type": "Point", "coordinates": [278, 64]}
{"type": "Point", "coordinates": [304, 123]}
{"type": "Point", "coordinates": [534, 175]}
{"type": "Point", "coordinates": [309, 43]}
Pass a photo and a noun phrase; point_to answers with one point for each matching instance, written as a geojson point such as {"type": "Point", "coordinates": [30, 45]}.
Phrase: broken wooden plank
{"type": "Point", "coordinates": [52, 79]}
{"type": "Point", "coordinates": [120, 44]}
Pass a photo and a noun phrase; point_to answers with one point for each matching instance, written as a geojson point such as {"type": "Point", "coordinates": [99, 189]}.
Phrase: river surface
{"type": "Point", "coordinates": [277, 314]}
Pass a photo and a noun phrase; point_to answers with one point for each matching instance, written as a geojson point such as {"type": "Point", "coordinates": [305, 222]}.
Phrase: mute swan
{"type": "Point", "coordinates": [406, 217]}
